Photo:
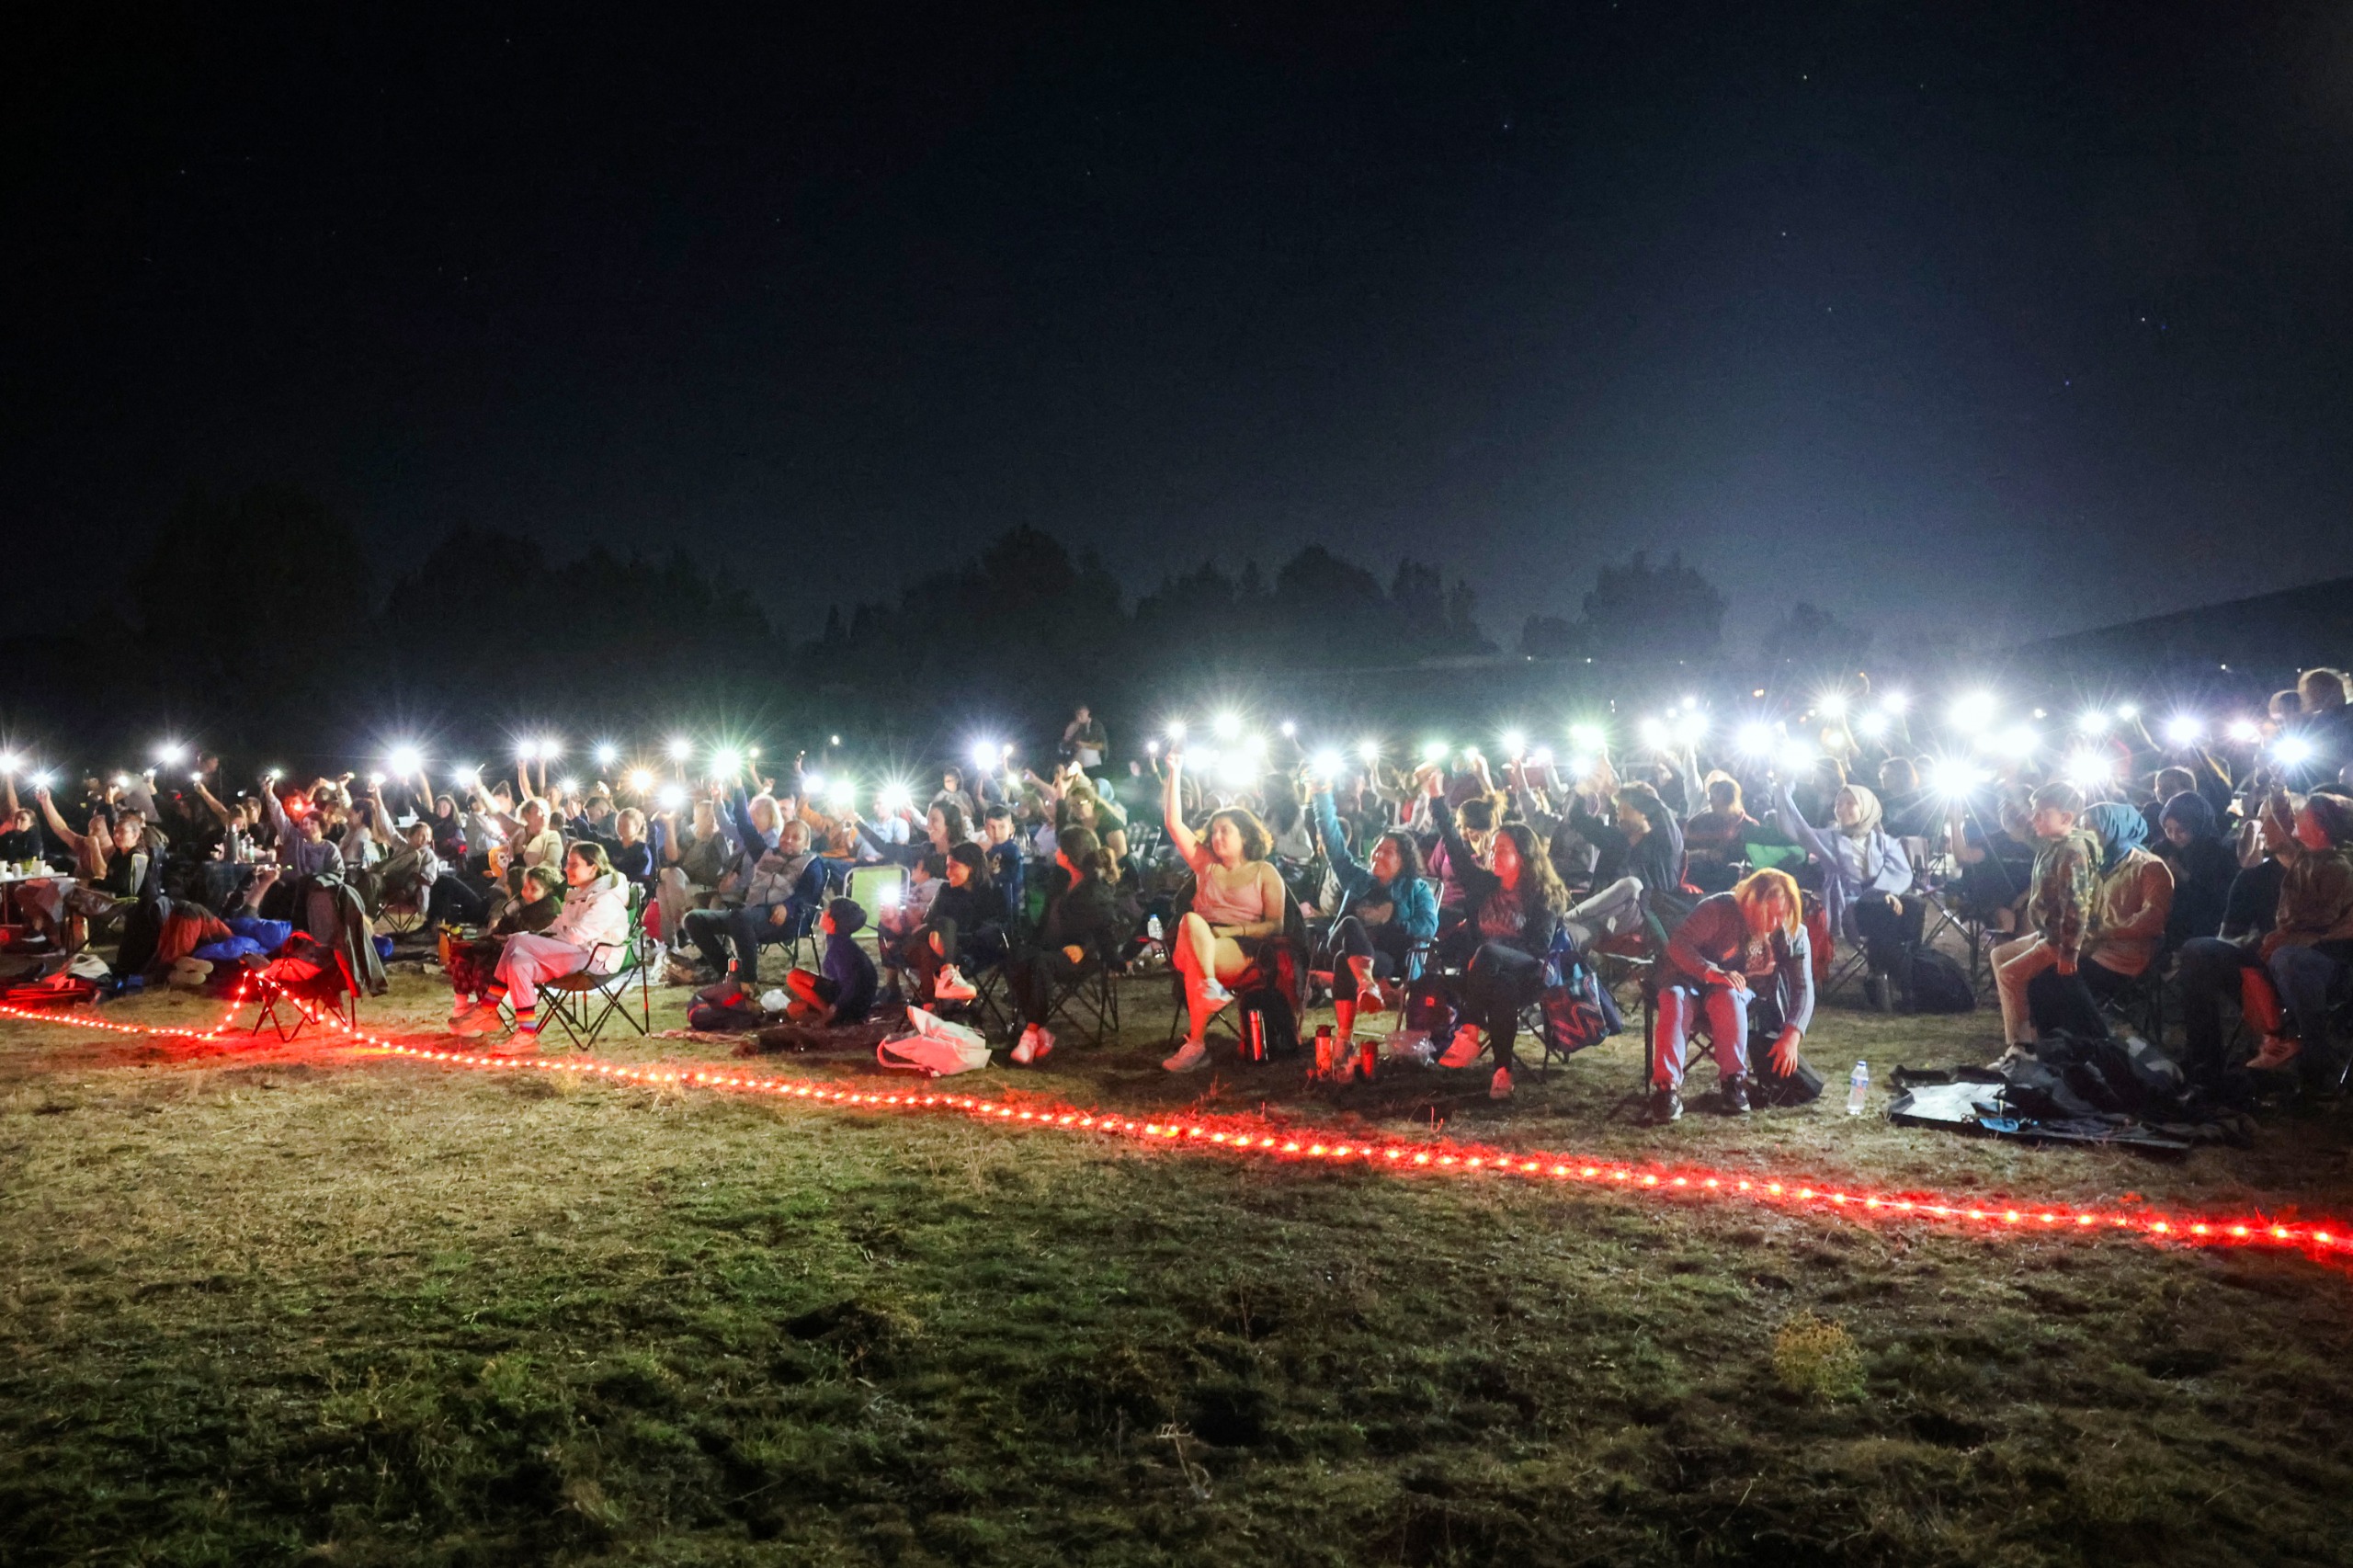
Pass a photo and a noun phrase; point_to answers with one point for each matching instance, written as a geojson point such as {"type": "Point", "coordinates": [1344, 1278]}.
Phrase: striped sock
{"type": "Point", "coordinates": [527, 1020]}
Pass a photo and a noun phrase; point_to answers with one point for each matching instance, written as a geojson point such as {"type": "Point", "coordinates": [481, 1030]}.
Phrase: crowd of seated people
{"type": "Point", "coordinates": [2220, 867]}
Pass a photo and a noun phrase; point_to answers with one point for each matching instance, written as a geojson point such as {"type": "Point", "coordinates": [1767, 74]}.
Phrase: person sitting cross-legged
{"type": "Point", "coordinates": [1739, 963]}
{"type": "Point", "coordinates": [842, 990]}
{"type": "Point", "coordinates": [1238, 897]}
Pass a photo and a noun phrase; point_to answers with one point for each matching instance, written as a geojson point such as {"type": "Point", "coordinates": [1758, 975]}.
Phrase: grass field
{"type": "Point", "coordinates": [276, 1304]}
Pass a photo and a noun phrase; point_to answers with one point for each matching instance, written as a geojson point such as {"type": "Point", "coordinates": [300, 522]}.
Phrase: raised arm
{"type": "Point", "coordinates": [1345, 865]}
{"type": "Point", "coordinates": [1172, 811]}
{"type": "Point", "coordinates": [1785, 806]}
{"type": "Point", "coordinates": [72, 840]}
{"type": "Point", "coordinates": [276, 811]}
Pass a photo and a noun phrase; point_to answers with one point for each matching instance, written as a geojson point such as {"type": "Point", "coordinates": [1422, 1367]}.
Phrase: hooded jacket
{"type": "Point", "coordinates": [594, 918]}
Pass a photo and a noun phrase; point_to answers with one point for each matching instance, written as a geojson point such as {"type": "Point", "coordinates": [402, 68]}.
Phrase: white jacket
{"type": "Point", "coordinates": [595, 914]}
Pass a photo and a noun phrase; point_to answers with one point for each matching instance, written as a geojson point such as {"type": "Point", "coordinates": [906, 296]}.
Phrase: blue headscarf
{"type": "Point", "coordinates": [2194, 812]}
{"type": "Point", "coordinates": [2119, 829]}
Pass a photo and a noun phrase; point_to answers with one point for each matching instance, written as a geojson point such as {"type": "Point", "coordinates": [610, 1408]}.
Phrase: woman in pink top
{"type": "Point", "coordinates": [1237, 897]}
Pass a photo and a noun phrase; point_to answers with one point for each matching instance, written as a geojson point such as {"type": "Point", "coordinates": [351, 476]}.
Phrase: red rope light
{"type": "Point", "coordinates": [1254, 1139]}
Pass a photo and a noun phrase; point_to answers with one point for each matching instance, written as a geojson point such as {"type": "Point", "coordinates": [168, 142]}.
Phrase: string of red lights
{"type": "Point", "coordinates": [1254, 1139]}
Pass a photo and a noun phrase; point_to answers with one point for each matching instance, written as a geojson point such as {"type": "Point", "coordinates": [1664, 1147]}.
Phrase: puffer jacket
{"type": "Point", "coordinates": [594, 918]}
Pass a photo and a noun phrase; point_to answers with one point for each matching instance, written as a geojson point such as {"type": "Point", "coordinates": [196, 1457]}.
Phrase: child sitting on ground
{"type": "Point", "coordinates": [844, 992]}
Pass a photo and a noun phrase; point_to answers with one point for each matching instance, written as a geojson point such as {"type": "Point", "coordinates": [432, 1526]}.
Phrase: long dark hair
{"type": "Point", "coordinates": [1087, 852]}
{"type": "Point", "coordinates": [1541, 887]}
{"type": "Point", "coordinates": [1409, 855]}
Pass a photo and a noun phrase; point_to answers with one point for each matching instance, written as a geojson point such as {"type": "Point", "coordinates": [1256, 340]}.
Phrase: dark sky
{"type": "Point", "coordinates": [2000, 318]}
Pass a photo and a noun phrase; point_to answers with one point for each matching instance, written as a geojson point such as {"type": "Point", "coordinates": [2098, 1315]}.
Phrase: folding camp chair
{"type": "Point", "coordinates": [287, 1012]}
{"type": "Point", "coordinates": [1264, 965]}
{"type": "Point", "coordinates": [581, 1003]}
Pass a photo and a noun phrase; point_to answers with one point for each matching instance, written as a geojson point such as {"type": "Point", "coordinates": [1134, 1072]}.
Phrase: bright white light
{"type": "Point", "coordinates": [830, 740]}
{"type": "Point", "coordinates": [1255, 747]}
{"type": "Point", "coordinates": [2019, 740]}
{"type": "Point", "coordinates": [274, 774]}
{"type": "Point", "coordinates": [567, 786]}
{"type": "Point", "coordinates": [1831, 705]}
{"type": "Point", "coordinates": [1894, 702]}
{"type": "Point", "coordinates": [1689, 703]}
{"type": "Point", "coordinates": [1329, 763]}
{"type": "Point", "coordinates": [1588, 737]}
{"type": "Point", "coordinates": [1972, 713]}
{"type": "Point", "coordinates": [812, 783]}
{"type": "Point", "coordinates": [2183, 729]}
{"type": "Point", "coordinates": [843, 794]}
{"type": "Point", "coordinates": [608, 754]}
{"type": "Point", "coordinates": [43, 781]}
{"type": "Point", "coordinates": [405, 760]}
{"type": "Point", "coordinates": [1151, 748]}
{"type": "Point", "coordinates": [1515, 743]}
{"type": "Point", "coordinates": [1369, 751]}
{"type": "Point", "coordinates": [1175, 729]}
{"type": "Point", "coordinates": [1690, 727]}
{"type": "Point", "coordinates": [680, 748]}
{"type": "Point", "coordinates": [466, 774]}
{"type": "Point", "coordinates": [170, 752]}
{"type": "Point", "coordinates": [1290, 729]}
{"type": "Point", "coordinates": [1580, 766]}
{"type": "Point", "coordinates": [887, 897]}
{"type": "Point", "coordinates": [9, 763]}
{"type": "Point", "coordinates": [725, 761]}
{"type": "Point", "coordinates": [1797, 757]}
{"type": "Point", "coordinates": [549, 750]}
{"type": "Point", "coordinates": [2246, 731]}
{"type": "Point", "coordinates": [1235, 770]}
{"type": "Point", "coordinates": [2094, 723]}
{"type": "Point", "coordinates": [640, 780]}
{"type": "Point", "coordinates": [1652, 732]}
{"type": "Point", "coordinates": [2292, 751]}
{"type": "Point", "coordinates": [1226, 727]}
{"type": "Point", "coordinates": [2128, 711]}
{"type": "Point", "coordinates": [1954, 777]}
{"type": "Point", "coordinates": [1756, 738]}
{"type": "Point", "coordinates": [2089, 770]}
{"type": "Point", "coordinates": [1540, 757]}
{"type": "Point", "coordinates": [983, 754]}
{"type": "Point", "coordinates": [895, 798]}
{"type": "Point", "coordinates": [376, 781]}
{"type": "Point", "coordinates": [671, 797]}
{"type": "Point", "coordinates": [1871, 726]}
{"type": "Point", "coordinates": [1434, 751]}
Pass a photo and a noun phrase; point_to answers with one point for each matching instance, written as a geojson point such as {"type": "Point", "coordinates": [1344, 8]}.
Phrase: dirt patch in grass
{"type": "Point", "coordinates": [270, 1305]}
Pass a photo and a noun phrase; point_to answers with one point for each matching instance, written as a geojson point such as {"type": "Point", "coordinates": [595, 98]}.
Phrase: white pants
{"type": "Point", "coordinates": [528, 960]}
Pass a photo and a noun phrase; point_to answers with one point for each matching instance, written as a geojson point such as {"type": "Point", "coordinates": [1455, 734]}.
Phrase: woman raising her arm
{"type": "Point", "coordinates": [1237, 897]}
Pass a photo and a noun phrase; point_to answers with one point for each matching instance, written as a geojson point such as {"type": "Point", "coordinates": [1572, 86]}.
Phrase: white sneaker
{"type": "Point", "coordinates": [1499, 1086]}
{"type": "Point", "coordinates": [1216, 995]}
{"type": "Point", "coordinates": [951, 986]}
{"type": "Point", "coordinates": [1191, 1057]}
{"type": "Point", "coordinates": [1465, 1049]}
{"type": "Point", "coordinates": [1372, 998]}
{"type": "Point", "coordinates": [1025, 1047]}
{"type": "Point", "coordinates": [1043, 1048]}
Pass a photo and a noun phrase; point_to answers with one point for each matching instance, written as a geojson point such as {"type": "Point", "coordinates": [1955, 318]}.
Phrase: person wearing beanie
{"type": "Point", "coordinates": [842, 990]}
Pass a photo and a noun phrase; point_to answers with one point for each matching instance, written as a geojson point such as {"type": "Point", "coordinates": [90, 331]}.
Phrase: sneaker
{"type": "Point", "coordinates": [1024, 1047]}
{"type": "Point", "coordinates": [1499, 1086]}
{"type": "Point", "coordinates": [1372, 998]}
{"type": "Point", "coordinates": [1666, 1106]}
{"type": "Point", "coordinates": [1733, 1092]}
{"type": "Point", "coordinates": [1465, 1049]}
{"type": "Point", "coordinates": [1216, 995]}
{"type": "Point", "coordinates": [481, 1019]}
{"type": "Point", "coordinates": [2277, 1052]}
{"type": "Point", "coordinates": [2011, 1056]}
{"type": "Point", "coordinates": [951, 986]}
{"type": "Point", "coordinates": [1045, 1047]}
{"type": "Point", "coordinates": [1190, 1056]}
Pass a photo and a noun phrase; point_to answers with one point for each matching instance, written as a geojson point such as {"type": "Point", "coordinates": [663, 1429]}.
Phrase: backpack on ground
{"type": "Point", "coordinates": [1939, 984]}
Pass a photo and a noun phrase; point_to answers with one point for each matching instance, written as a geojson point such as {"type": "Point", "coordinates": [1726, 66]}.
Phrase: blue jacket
{"type": "Point", "coordinates": [1415, 897]}
{"type": "Point", "coordinates": [852, 972]}
{"type": "Point", "coordinates": [1011, 874]}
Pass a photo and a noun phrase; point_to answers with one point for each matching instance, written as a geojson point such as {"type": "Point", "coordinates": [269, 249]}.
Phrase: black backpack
{"type": "Point", "coordinates": [1941, 985]}
{"type": "Point", "coordinates": [1272, 1010]}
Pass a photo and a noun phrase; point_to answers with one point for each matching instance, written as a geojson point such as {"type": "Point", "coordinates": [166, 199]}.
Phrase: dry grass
{"type": "Point", "coordinates": [274, 1304]}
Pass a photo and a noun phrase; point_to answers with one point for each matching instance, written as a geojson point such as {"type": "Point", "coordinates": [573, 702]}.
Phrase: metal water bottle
{"type": "Point", "coordinates": [1323, 1050]}
{"type": "Point", "coordinates": [1367, 1054]}
{"type": "Point", "coordinates": [1254, 1035]}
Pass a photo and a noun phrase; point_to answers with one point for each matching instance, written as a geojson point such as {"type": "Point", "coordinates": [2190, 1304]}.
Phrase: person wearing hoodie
{"type": "Point", "coordinates": [1386, 904]}
{"type": "Point", "coordinates": [2286, 972]}
{"type": "Point", "coordinates": [2203, 868]}
{"type": "Point", "coordinates": [2063, 891]}
{"type": "Point", "coordinates": [2132, 900]}
{"type": "Point", "coordinates": [588, 933]}
{"type": "Point", "coordinates": [1865, 876]}
{"type": "Point", "coordinates": [841, 991]}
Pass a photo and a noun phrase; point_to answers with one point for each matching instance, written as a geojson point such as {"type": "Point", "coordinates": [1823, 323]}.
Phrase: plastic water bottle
{"type": "Point", "coordinates": [1152, 927]}
{"type": "Point", "coordinates": [1859, 1087]}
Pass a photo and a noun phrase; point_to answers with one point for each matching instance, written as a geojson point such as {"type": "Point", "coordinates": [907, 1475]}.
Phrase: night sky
{"type": "Point", "coordinates": [1998, 319]}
